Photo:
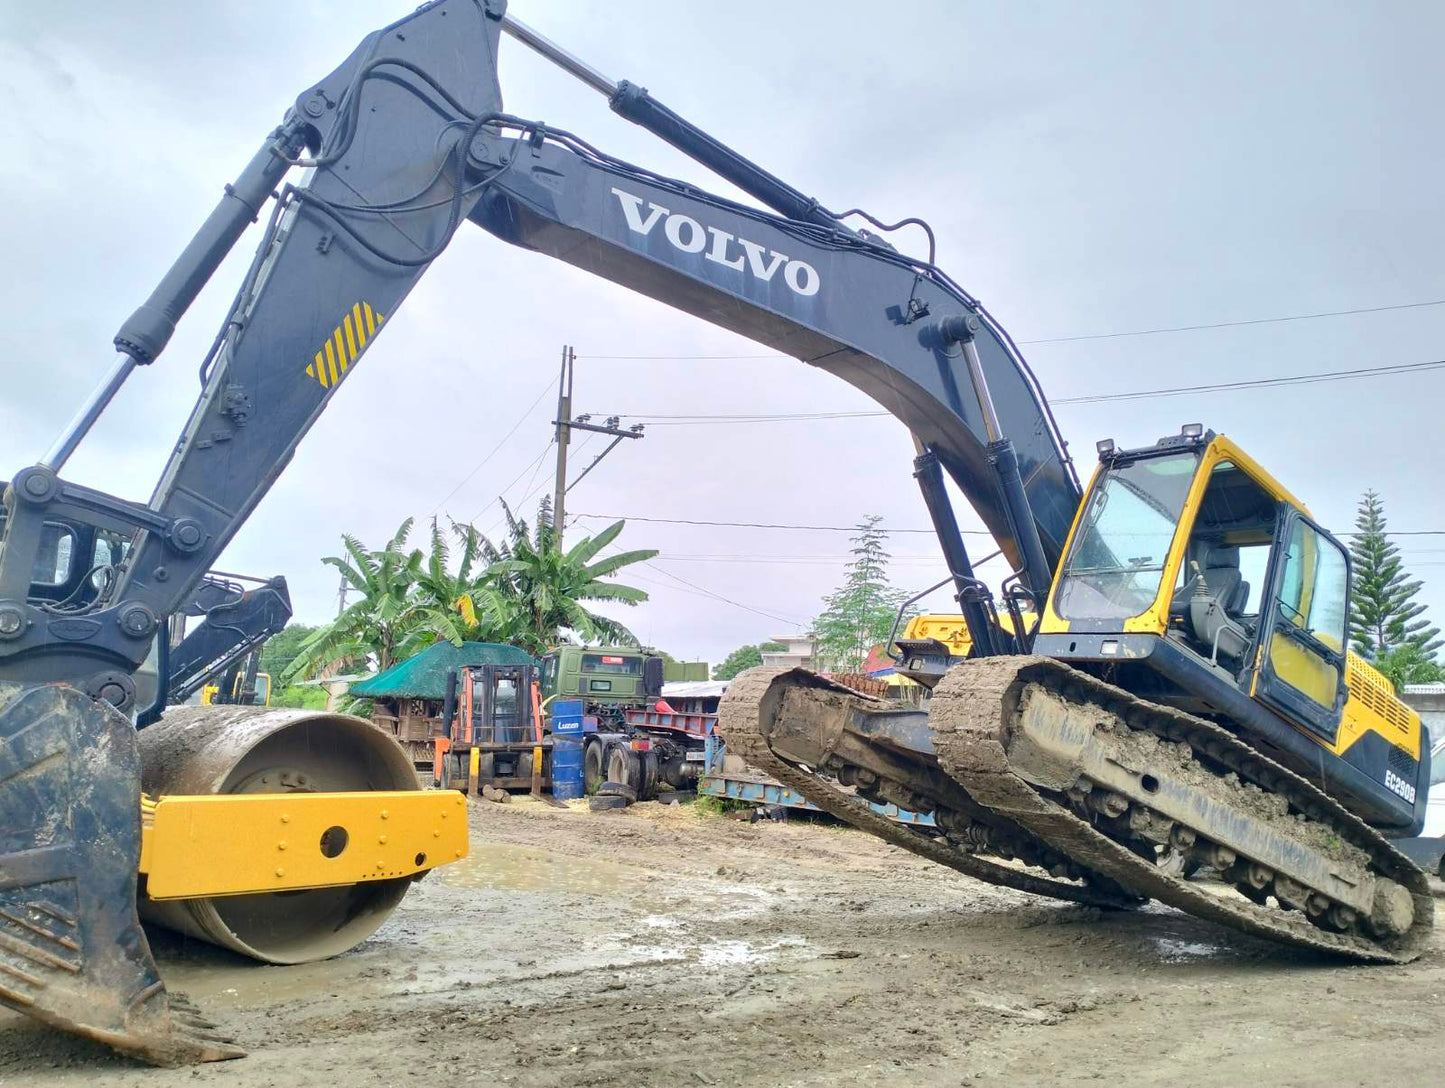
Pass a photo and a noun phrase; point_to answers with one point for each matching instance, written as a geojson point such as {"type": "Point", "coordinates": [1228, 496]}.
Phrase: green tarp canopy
{"type": "Point", "coordinates": [425, 675]}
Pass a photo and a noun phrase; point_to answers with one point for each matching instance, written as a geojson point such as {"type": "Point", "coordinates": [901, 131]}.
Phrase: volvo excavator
{"type": "Point", "coordinates": [1168, 679]}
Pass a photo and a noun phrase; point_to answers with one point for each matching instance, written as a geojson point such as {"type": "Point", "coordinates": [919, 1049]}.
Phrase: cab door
{"type": "Point", "coordinates": [1303, 628]}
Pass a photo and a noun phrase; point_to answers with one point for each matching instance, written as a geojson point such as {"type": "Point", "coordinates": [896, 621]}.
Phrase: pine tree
{"type": "Point", "coordinates": [858, 614]}
{"type": "Point", "coordinates": [1384, 614]}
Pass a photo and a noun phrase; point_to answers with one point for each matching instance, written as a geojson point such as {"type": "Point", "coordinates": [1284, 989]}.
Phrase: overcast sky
{"type": "Point", "coordinates": [1087, 168]}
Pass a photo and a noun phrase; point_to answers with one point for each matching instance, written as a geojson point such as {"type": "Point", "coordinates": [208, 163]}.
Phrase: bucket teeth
{"type": "Point", "coordinates": [72, 952]}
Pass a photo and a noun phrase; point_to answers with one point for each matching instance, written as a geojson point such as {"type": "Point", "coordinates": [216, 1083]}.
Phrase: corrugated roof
{"type": "Point", "coordinates": [1425, 689]}
{"type": "Point", "coordinates": [694, 689]}
{"type": "Point", "coordinates": [425, 675]}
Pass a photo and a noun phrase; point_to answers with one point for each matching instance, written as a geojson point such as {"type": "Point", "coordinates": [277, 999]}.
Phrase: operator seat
{"type": "Point", "coordinates": [1217, 596]}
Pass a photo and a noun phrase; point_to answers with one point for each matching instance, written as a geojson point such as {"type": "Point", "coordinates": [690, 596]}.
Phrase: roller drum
{"type": "Point", "coordinates": [199, 750]}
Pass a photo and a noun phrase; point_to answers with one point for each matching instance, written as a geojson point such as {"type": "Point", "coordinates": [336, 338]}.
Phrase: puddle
{"type": "Point", "coordinates": [742, 953]}
{"type": "Point", "coordinates": [732, 902]}
{"type": "Point", "coordinates": [356, 974]}
{"type": "Point", "coordinates": [517, 868]}
{"type": "Point", "coordinates": [1172, 951]}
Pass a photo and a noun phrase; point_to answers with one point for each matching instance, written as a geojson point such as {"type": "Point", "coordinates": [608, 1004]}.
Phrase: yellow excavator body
{"type": "Point", "coordinates": [1226, 501]}
{"type": "Point", "coordinates": [1293, 577]}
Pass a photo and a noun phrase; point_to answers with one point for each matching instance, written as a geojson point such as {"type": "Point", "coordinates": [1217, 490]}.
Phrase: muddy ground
{"type": "Point", "coordinates": [666, 946]}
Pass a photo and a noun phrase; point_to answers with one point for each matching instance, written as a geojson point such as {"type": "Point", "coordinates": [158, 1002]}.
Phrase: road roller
{"type": "Point", "coordinates": [284, 835]}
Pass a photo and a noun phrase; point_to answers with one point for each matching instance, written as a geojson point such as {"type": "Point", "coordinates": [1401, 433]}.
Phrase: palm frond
{"type": "Point", "coordinates": [585, 549]}
{"type": "Point", "coordinates": [612, 563]}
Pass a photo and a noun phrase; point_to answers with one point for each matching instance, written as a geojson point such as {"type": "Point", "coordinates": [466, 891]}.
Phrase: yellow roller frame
{"type": "Point", "coordinates": [239, 844]}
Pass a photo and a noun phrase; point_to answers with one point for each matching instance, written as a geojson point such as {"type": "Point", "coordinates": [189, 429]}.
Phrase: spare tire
{"type": "Point", "coordinates": [617, 789]}
{"type": "Point", "coordinates": [604, 802]}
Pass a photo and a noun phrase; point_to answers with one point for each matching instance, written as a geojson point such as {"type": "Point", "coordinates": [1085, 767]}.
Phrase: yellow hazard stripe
{"type": "Point", "coordinates": [344, 345]}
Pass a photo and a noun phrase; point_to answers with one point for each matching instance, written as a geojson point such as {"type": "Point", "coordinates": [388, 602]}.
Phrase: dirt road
{"type": "Point", "coordinates": [664, 947]}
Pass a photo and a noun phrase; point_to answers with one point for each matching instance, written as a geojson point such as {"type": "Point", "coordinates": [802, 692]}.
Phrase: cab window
{"type": "Point", "coordinates": [1313, 585]}
{"type": "Point", "coordinates": [619, 664]}
{"type": "Point", "coordinates": [1117, 560]}
{"type": "Point", "coordinates": [1220, 590]}
{"type": "Point", "coordinates": [57, 549]}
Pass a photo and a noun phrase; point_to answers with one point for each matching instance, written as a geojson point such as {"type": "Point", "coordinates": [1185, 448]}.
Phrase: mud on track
{"type": "Point", "coordinates": [663, 947]}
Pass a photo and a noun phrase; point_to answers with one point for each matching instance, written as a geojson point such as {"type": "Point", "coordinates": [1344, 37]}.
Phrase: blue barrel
{"type": "Point", "coordinates": [567, 717]}
{"type": "Point", "coordinates": [566, 767]}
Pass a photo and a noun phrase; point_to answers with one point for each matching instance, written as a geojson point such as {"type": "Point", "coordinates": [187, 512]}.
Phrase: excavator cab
{"type": "Point", "coordinates": [1194, 576]}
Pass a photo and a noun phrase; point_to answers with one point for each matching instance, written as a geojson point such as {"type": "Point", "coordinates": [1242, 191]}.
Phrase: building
{"type": "Point", "coordinates": [1429, 700]}
{"type": "Point", "coordinates": [798, 652]}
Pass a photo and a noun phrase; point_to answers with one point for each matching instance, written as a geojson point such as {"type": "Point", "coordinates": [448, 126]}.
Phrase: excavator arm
{"type": "Point", "coordinates": [405, 141]}
{"type": "Point", "coordinates": [361, 187]}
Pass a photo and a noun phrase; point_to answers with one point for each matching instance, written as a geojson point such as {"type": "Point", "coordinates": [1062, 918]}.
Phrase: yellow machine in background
{"type": "Point", "coordinates": [263, 691]}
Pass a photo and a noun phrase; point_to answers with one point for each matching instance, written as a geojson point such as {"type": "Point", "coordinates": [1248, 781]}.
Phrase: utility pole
{"type": "Point", "coordinates": [565, 425]}
{"type": "Point", "coordinates": [341, 593]}
{"type": "Point", "coordinates": [564, 436]}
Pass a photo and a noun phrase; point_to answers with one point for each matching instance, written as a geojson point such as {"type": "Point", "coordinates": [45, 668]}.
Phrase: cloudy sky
{"type": "Point", "coordinates": [1089, 169]}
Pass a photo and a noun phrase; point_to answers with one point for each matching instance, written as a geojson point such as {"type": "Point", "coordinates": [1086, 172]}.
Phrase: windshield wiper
{"type": "Point", "coordinates": [1133, 568]}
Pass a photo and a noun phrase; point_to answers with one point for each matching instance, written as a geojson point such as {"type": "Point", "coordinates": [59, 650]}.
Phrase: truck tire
{"type": "Point", "coordinates": [592, 767]}
{"type": "Point", "coordinates": [605, 802]}
{"type": "Point", "coordinates": [621, 764]}
{"type": "Point", "coordinates": [647, 783]}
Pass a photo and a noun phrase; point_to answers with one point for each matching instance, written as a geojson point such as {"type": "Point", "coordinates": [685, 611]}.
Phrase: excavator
{"type": "Point", "coordinates": [1168, 678]}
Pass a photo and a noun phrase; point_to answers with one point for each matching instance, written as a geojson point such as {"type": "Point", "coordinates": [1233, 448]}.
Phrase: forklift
{"type": "Point", "coordinates": [494, 731]}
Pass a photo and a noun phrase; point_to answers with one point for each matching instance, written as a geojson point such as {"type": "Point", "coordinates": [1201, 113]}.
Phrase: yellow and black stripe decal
{"type": "Point", "coordinates": [346, 342]}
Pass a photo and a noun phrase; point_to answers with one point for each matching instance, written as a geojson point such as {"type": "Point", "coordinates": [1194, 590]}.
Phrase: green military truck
{"type": "Point", "coordinates": [608, 679]}
{"type": "Point", "coordinates": [625, 739]}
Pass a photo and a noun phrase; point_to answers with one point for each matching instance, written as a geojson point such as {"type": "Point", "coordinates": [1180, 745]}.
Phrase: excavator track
{"type": "Point", "coordinates": [1113, 781]}
{"type": "Point", "coordinates": [985, 712]}
{"type": "Point", "coordinates": [754, 694]}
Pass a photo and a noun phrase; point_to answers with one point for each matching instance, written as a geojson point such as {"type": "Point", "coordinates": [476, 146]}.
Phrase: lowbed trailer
{"type": "Point", "coordinates": [728, 777]}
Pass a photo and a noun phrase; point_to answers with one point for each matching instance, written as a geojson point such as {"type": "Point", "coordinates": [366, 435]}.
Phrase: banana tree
{"type": "Point", "coordinates": [383, 623]}
{"type": "Point", "coordinates": [547, 590]}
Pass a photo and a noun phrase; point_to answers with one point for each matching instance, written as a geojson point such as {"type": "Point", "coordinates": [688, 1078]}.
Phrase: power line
{"type": "Point", "coordinates": [530, 467]}
{"type": "Point", "coordinates": [1237, 324]}
{"type": "Point", "coordinates": [680, 358]}
{"type": "Point", "coordinates": [854, 528]}
{"type": "Point", "coordinates": [533, 487]}
{"type": "Point", "coordinates": [726, 600]}
{"type": "Point", "coordinates": [1095, 335]}
{"type": "Point", "coordinates": [530, 408]}
{"type": "Point", "coordinates": [761, 525]}
{"type": "Point", "coordinates": [664, 420]}
{"type": "Point", "coordinates": [696, 590]}
{"type": "Point", "coordinates": [1265, 383]}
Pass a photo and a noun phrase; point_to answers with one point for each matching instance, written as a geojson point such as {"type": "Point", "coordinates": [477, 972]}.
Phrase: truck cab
{"type": "Point", "coordinates": [608, 679]}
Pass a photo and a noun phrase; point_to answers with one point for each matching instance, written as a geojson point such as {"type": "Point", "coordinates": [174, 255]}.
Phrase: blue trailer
{"type": "Point", "coordinates": [730, 779]}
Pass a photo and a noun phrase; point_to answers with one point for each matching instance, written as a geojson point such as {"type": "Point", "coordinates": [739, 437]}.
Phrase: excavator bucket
{"type": "Point", "coordinates": [72, 952]}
